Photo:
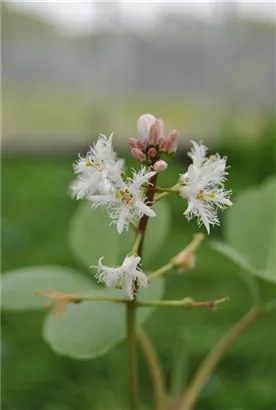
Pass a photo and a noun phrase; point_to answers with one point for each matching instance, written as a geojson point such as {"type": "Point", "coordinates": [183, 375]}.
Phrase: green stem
{"type": "Point", "coordinates": [138, 240]}
{"type": "Point", "coordinates": [189, 398]}
{"type": "Point", "coordinates": [155, 370]}
{"type": "Point", "coordinates": [166, 192]}
{"type": "Point", "coordinates": [161, 271]}
{"type": "Point", "coordinates": [57, 296]}
{"type": "Point", "coordinates": [131, 333]}
{"type": "Point", "coordinates": [161, 196]}
{"type": "Point", "coordinates": [186, 303]}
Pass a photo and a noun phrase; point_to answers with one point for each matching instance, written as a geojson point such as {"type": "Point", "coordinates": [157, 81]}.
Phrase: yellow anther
{"type": "Point", "coordinates": [88, 163]}
{"type": "Point", "coordinates": [126, 196]}
{"type": "Point", "coordinates": [212, 195]}
{"type": "Point", "coordinates": [119, 285]}
{"type": "Point", "coordinates": [213, 157]}
{"type": "Point", "coordinates": [200, 195]}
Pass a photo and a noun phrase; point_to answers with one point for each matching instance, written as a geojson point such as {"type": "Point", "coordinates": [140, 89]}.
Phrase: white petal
{"type": "Point", "coordinates": [145, 208]}
{"type": "Point", "coordinates": [185, 192]}
{"type": "Point", "coordinates": [121, 220]}
{"type": "Point", "coordinates": [128, 285]}
{"type": "Point", "coordinates": [189, 209]}
{"type": "Point", "coordinates": [204, 219]}
{"type": "Point", "coordinates": [142, 278]}
{"type": "Point", "coordinates": [198, 153]}
{"type": "Point", "coordinates": [102, 198]}
{"type": "Point", "coordinates": [130, 263]}
{"type": "Point", "coordinates": [140, 179]}
{"type": "Point", "coordinates": [192, 177]}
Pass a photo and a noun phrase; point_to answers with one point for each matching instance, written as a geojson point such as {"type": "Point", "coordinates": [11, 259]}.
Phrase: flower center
{"type": "Point", "coordinates": [125, 196]}
{"type": "Point", "coordinates": [202, 194]}
{"type": "Point", "coordinates": [97, 165]}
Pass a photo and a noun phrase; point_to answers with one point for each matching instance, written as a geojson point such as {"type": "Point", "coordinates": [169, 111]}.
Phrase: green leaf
{"type": "Point", "coordinates": [89, 329]}
{"type": "Point", "coordinates": [91, 236]}
{"type": "Point", "coordinates": [233, 255]}
{"type": "Point", "coordinates": [19, 286]}
{"type": "Point", "coordinates": [156, 234]}
{"type": "Point", "coordinates": [251, 232]}
{"type": "Point", "coordinates": [251, 225]}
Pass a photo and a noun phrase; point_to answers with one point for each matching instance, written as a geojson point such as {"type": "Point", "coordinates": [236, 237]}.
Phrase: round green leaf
{"type": "Point", "coordinates": [156, 234]}
{"type": "Point", "coordinates": [251, 225]}
{"type": "Point", "coordinates": [19, 286]}
{"type": "Point", "coordinates": [89, 329]}
{"type": "Point", "coordinates": [251, 231]}
{"type": "Point", "coordinates": [91, 236]}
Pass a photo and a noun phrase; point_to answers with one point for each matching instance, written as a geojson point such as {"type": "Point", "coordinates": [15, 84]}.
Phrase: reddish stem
{"type": "Point", "coordinates": [144, 220]}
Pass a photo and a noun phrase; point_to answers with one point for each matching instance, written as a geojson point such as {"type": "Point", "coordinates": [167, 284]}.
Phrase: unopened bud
{"type": "Point", "coordinates": [153, 135]}
{"type": "Point", "coordinates": [160, 166]}
{"type": "Point", "coordinates": [142, 144]}
{"type": "Point", "coordinates": [160, 127]}
{"type": "Point", "coordinates": [144, 124]}
{"type": "Point", "coordinates": [184, 260]}
{"type": "Point", "coordinates": [138, 154]}
{"type": "Point", "coordinates": [173, 138]}
{"type": "Point", "coordinates": [152, 152]}
{"type": "Point", "coordinates": [164, 145]}
{"type": "Point", "coordinates": [132, 142]}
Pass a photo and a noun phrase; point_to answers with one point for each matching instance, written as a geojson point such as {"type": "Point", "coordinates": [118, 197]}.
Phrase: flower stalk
{"type": "Point", "coordinates": [189, 398]}
{"type": "Point", "coordinates": [131, 306]}
{"type": "Point", "coordinates": [186, 303]}
{"type": "Point", "coordinates": [160, 395]}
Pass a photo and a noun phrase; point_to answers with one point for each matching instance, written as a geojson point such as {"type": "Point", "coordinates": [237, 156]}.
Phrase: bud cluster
{"type": "Point", "coordinates": [153, 146]}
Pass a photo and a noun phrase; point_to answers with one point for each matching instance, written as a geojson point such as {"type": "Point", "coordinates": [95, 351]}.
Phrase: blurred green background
{"type": "Point", "coordinates": [44, 127]}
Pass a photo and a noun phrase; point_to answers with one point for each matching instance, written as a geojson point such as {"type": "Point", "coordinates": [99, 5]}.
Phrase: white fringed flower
{"type": "Point", "coordinates": [123, 276]}
{"type": "Point", "coordinates": [198, 153]}
{"type": "Point", "coordinates": [205, 192]}
{"type": "Point", "coordinates": [126, 203]}
{"type": "Point", "coordinates": [94, 169]}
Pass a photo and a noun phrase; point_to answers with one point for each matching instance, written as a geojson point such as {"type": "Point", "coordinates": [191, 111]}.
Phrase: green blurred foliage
{"type": "Point", "coordinates": [36, 214]}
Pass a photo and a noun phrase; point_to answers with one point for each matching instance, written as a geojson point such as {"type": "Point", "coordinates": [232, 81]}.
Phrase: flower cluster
{"type": "Point", "coordinates": [153, 145]}
{"type": "Point", "coordinates": [102, 181]}
{"type": "Point", "coordinates": [128, 275]}
{"type": "Point", "coordinates": [203, 186]}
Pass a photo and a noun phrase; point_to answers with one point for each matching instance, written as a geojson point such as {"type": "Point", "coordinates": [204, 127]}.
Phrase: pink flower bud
{"type": "Point", "coordinates": [141, 144]}
{"type": "Point", "coordinates": [153, 135]}
{"type": "Point", "coordinates": [160, 166]}
{"type": "Point", "coordinates": [164, 145]}
{"type": "Point", "coordinates": [173, 138]}
{"type": "Point", "coordinates": [144, 124]}
{"type": "Point", "coordinates": [152, 152]}
{"type": "Point", "coordinates": [160, 141]}
{"type": "Point", "coordinates": [138, 154]}
{"type": "Point", "coordinates": [132, 142]}
{"type": "Point", "coordinates": [160, 127]}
